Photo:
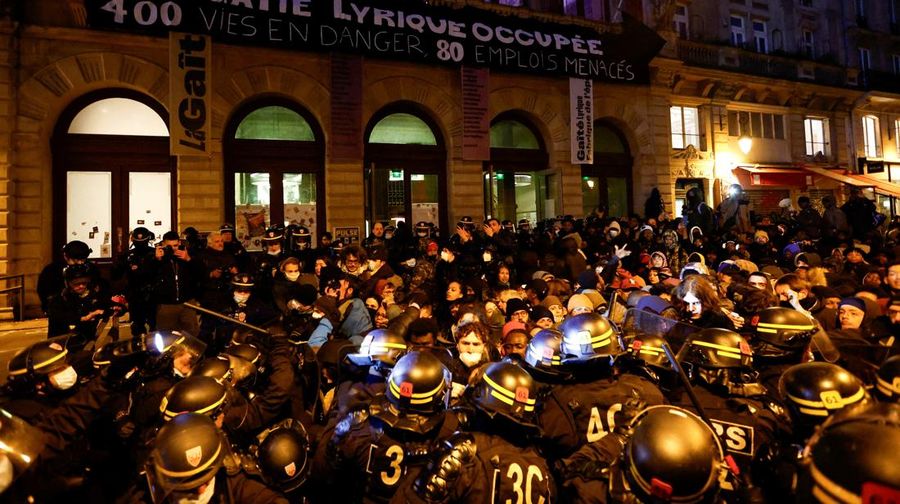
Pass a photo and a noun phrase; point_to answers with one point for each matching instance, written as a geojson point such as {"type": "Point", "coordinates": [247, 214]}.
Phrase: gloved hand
{"type": "Point", "coordinates": [621, 252]}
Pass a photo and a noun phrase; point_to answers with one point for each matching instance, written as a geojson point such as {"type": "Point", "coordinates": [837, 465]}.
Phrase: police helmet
{"type": "Point", "coordinates": [248, 352]}
{"type": "Point", "coordinates": [508, 225]}
{"type": "Point", "coordinates": [141, 235]}
{"type": "Point", "coordinates": [543, 356]}
{"type": "Point", "coordinates": [887, 380]}
{"type": "Point", "coordinates": [715, 348]}
{"type": "Point", "coordinates": [226, 228]}
{"type": "Point", "coordinates": [418, 388]}
{"type": "Point", "coordinates": [524, 225]}
{"type": "Point", "coordinates": [226, 369]}
{"type": "Point", "coordinates": [133, 348]}
{"type": "Point", "coordinates": [588, 336]}
{"type": "Point", "coordinates": [78, 271]}
{"type": "Point", "coordinates": [188, 452]}
{"type": "Point", "coordinates": [41, 358]}
{"type": "Point", "coordinates": [242, 281]}
{"type": "Point", "coordinates": [194, 394]}
{"type": "Point", "coordinates": [781, 332]}
{"type": "Point", "coordinates": [813, 391]}
{"type": "Point", "coordinates": [505, 389]}
{"type": "Point", "coordinates": [302, 237]}
{"type": "Point", "coordinates": [283, 455]}
{"type": "Point", "coordinates": [649, 349]}
{"type": "Point", "coordinates": [273, 234]}
{"type": "Point", "coordinates": [171, 344]}
{"type": "Point", "coordinates": [849, 456]}
{"type": "Point", "coordinates": [77, 250]}
{"type": "Point", "coordinates": [672, 455]}
{"type": "Point", "coordinates": [423, 229]}
{"type": "Point", "coordinates": [380, 348]}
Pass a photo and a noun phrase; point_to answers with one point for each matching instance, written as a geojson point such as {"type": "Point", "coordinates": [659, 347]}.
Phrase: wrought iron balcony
{"type": "Point", "coordinates": [730, 58]}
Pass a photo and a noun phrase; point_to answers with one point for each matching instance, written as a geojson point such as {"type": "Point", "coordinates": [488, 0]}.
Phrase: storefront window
{"type": "Point", "coordinates": [606, 184]}
{"type": "Point", "coordinates": [405, 166]}
{"type": "Point", "coordinates": [276, 163]}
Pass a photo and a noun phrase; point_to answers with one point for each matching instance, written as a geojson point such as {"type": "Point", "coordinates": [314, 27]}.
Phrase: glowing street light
{"type": "Point", "coordinates": [745, 143]}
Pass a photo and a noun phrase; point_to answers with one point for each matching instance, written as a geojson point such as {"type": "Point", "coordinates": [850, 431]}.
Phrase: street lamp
{"type": "Point", "coordinates": [745, 143]}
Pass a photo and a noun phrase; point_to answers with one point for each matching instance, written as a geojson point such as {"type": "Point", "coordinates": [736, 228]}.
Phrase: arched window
{"type": "Point", "coordinates": [607, 184]}
{"type": "Point", "coordinates": [516, 182]}
{"type": "Point", "coordinates": [274, 170]}
{"type": "Point", "coordinates": [405, 172]}
{"type": "Point", "coordinates": [111, 171]}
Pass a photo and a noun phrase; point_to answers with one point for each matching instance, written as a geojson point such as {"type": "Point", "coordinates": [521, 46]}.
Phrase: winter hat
{"type": "Point", "coordinates": [855, 302]}
{"type": "Point", "coordinates": [512, 326]}
{"type": "Point", "coordinates": [811, 259]}
{"type": "Point", "coordinates": [615, 225]}
{"type": "Point", "coordinates": [645, 227]}
{"type": "Point", "coordinates": [791, 248]}
{"type": "Point", "coordinates": [661, 256]}
{"type": "Point", "coordinates": [514, 305]}
{"type": "Point", "coordinates": [760, 234]}
{"type": "Point", "coordinates": [578, 301]}
{"type": "Point", "coordinates": [432, 247]}
{"type": "Point", "coordinates": [587, 280]}
{"type": "Point", "coordinates": [550, 301]}
{"type": "Point", "coordinates": [539, 287]}
{"type": "Point", "coordinates": [539, 312]}
{"type": "Point", "coordinates": [696, 257]}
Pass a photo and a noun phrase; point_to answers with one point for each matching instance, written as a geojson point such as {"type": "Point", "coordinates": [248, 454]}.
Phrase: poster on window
{"type": "Point", "coordinates": [190, 110]}
{"type": "Point", "coordinates": [346, 235]}
{"type": "Point", "coordinates": [581, 120]}
{"type": "Point", "coordinates": [302, 215]}
{"type": "Point", "coordinates": [250, 225]}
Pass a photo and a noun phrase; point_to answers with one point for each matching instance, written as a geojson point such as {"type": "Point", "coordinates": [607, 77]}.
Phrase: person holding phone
{"type": "Point", "coordinates": [177, 277]}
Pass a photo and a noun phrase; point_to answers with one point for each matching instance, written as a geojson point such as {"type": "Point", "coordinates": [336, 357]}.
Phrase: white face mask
{"type": "Point", "coordinates": [317, 315]}
{"type": "Point", "coordinates": [470, 358]}
{"type": "Point", "coordinates": [274, 252]}
{"type": "Point", "coordinates": [388, 236]}
{"type": "Point", "coordinates": [411, 263]}
{"type": "Point", "coordinates": [65, 379]}
{"type": "Point", "coordinates": [445, 256]}
{"type": "Point", "coordinates": [486, 257]}
{"type": "Point", "coordinates": [613, 233]}
{"type": "Point", "coordinates": [373, 265]}
{"type": "Point", "coordinates": [204, 497]}
{"type": "Point", "coordinates": [292, 276]}
{"type": "Point", "coordinates": [241, 298]}
{"type": "Point", "coordinates": [421, 234]}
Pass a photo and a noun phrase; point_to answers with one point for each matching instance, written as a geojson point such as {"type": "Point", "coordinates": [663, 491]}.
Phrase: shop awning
{"type": "Point", "coordinates": [880, 186]}
{"type": "Point", "coordinates": [771, 176]}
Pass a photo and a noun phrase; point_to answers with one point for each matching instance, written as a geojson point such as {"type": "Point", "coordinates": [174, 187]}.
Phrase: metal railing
{"type": "Point", "coordinates": [19, 288]}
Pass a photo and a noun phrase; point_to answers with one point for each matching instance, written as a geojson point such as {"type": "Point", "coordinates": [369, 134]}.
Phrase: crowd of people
{"type": "Point", "coordinates": [722, 356]}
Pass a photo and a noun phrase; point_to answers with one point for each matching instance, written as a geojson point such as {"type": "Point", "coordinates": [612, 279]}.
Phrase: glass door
{"type": "Point", "coordinates": [150, 201]}
{"type": "Point", "coordinates": [425, 200]}
{"type": "Point", "coordinates": [299, 190]}
{"type": "Point", "coordinates": [90, 219]}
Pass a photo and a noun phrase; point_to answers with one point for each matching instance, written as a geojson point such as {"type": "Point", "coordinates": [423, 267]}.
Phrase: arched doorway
{"type": "Point", "coordinates": [516, 183]}
{"type": "Point", "coordinates": [405, 172]}
{"type": "Point", "coordinates": [608, 182]}
{"type": "Point", "coordinates": [273, 169]}
{"type": "Point", "coordinates": [111, 171]}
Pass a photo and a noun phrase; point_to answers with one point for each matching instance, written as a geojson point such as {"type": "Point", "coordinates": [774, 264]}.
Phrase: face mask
{"type": "Point", "coordinates": [388, 236]}
{"type": "Point", "coordinates": [421, 234]}
{"type": "Point", "coordinates": [303, 246]}
{"type": "Point", "coordinates": [204, 497]}
{"type": "Point", "coordinates": [65, 379]}
{"type": "Point", "coordinates": [470, 358]}
{"type": "Point", "coordinates": [373, 265]}
{"type": "Point", "coordinates": [292, 276]}
{"type": "Point", "coordinates": [486, 257]}
{"type": "Point", "coordinates": [445, 256]}
{"type": "Point", "coordinates": [411, 263]}
{"type": "Point", "coordinates": [613, 233]}
{"type": "Point", "coordinates": [241, 298]}
{"type": "Point", "coordinates": [317, 315]}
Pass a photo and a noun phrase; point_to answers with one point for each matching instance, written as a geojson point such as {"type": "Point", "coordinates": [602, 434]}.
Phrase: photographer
{"type": "Point", "coordinates": [177, 277]}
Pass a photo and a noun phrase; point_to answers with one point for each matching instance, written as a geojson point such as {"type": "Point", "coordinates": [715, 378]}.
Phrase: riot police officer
{"type": "Point", "coordinates": [80, 307]}
{"type": "Point", "coordinates": [751, 423]}
{"type": "Point", "coordinates": [781, 338]}
{"type": "Point", "coordinates": [494, 461]}
{"type": "Point", "coordinates": [40, 377]}
{"type": "Point", "coordinates": [137, 267]}
{"type": "Point", "coordinates": [267, 260]}
{"type": "Point", "coordinates": [372, 451]}
{"type": "Point", "coordinates": [379, 352]}
{"type": "Point", "coordinates": [813, 391]}
{"type": "Point", "coordinates": [586, 407]}
{"type": "Point", "coordinates": [51, 281]}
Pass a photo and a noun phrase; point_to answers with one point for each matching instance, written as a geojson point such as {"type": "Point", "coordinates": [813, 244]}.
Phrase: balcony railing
{"type": "Point", "coordinates": [767, 65]}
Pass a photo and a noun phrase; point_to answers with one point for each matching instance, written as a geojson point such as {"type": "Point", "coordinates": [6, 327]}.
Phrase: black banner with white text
{"type": "Point", "coordinates": [408, 31]}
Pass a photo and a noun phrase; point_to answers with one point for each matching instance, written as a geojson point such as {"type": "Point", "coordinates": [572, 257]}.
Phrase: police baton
{"type": "Point", "coordinates": [226, 318]}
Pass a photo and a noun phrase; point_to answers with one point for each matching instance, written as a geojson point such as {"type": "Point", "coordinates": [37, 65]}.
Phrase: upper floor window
{"type": "Point", "coordinates": [737, 31]}
{"type": "Point", "coordinates": [760, 37]}
{"type": "Point", "coordinates": [892, 8]}
{"type": "Point", "coordinates": [861, 8]}
{"type": "Point", "coordinates": [895, 60]}
{"type": "Point", "coordinates": [756, 125]}
{"type": "Point", "coordinates": [809, 44]}
{"type": "Point", "coordinates": [871, 137]}
{"type": "Point", "coordinates": [681, 21]}
{"type": "Point", "coordinates": [865, 59]}
{"type": "Point", "coordinates": [816, 132]}
{"type": "Point", "coordinates": [685, 126]}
